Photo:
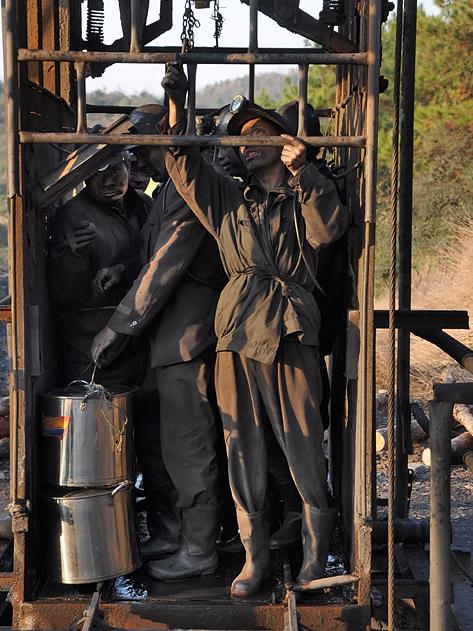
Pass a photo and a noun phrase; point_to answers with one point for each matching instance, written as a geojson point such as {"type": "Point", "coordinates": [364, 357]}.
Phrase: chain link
{"type": "Point", "coordinates": [189, 23]}
{"type": "Point", "coordinates": [219, 20]}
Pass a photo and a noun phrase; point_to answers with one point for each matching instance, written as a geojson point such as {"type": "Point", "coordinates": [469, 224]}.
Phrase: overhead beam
{"type": "Point", "coordinates": [289, 16]}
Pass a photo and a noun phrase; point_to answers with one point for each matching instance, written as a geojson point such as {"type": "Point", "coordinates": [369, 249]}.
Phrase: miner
{"type": "Point", "coordinates": [93, 260]}
{"type": "Point", "coordinates": [173, 302]}
{"type": "Point", "coordinates": [268, 230]}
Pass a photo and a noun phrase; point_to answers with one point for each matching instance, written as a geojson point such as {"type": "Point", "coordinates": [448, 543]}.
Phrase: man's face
{"type": "Point", "coordinates": [258, 158]}
{"type": "Point", "coordinates": [138, 180]}
{"type": "Point", "coordinates": [151, 162]}
{"type": "Point", "coordinates": [111, 184]}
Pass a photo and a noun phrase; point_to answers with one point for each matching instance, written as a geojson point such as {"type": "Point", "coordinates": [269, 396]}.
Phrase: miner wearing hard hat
{"type": "Point", "coordinates": [268, 229]}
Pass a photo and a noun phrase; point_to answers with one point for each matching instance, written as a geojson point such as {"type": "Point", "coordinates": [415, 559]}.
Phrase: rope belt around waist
{"type": "Point", "coordinates": [284, 281]}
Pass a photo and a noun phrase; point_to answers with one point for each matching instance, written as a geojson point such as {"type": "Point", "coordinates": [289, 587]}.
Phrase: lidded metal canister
{"type": "Point", "coordinates": [86, 436]}
{"type": "Point", "coordinates": [91, 534]}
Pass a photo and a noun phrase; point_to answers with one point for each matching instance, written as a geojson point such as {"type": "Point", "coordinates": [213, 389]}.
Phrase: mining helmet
{"type": "Point", "coordinates": [290, 111]}
{"type": "Point", "coordinates": [148, 119]}
{"type": "Point", "coordinates": [243, 110]}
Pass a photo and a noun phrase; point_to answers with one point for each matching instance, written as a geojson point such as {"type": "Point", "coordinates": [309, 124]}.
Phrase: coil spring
{"type": "Point", "coordinates": [332, 12]}
{"type": "Point", "coordinates": [95, 22]}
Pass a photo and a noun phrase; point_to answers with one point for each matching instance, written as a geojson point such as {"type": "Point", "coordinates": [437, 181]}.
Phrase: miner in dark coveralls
{"type": "Point", "coordinates": [268, 230]}
{"type": "Point", "coordinates": [173, 299]}
{"type": "Point", "coordinates": [94, 258]}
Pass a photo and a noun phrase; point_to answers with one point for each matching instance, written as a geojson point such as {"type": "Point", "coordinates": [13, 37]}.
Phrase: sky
{"type": "Point", "coordinates": [133, 78]}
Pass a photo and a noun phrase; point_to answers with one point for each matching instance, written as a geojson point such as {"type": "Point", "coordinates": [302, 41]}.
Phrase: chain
{"type": "Point", "coordinates": [189, 22]}
{"type": "Point", "coordinates": [219, 20]}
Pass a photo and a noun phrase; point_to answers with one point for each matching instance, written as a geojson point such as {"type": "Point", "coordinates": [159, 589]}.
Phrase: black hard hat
{"type": "Point", "coordinates": [243, 111]}
{"type": "Point", "coordinates": [148, 119]}
{"type": "Point", "coordinates": [290, 111]}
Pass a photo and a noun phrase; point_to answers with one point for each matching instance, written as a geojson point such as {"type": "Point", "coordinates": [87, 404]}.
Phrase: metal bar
{"type": "Point", "coordinates": [327, 582]}
{"type": "Point", "coordinates": [81, 98]}
{"type": "Point", "coordinates": [405, 530]}
{"type": "Point", "coordinates": [251, 83]}
{"type": "Point", "coordinates": [363, 473]}
{"type": "Point", "coordinates": [454, 392]}
{"type": "Point", "coordinates": [406, 160]}
{"type": "Point", "coordinates": [191, 77]}
{"type": "Point", "coordinates": [253, 43]}
{"type": "Point", "coordinates": [423, 319]}
{"type": "Point", "coordinates": [440, 527]}
{"type": "Point", "coordinates": [93, 108]}
{"type": "Point", "coordinates": [458, 351]}
{"type": "Point", "coordinates": [308, 57]}
{"type": "Point", "coordinates": [303, 88]}
{"type": "Point", "coordinates": [182, 141]}
{"type": "Point", "coordinates": [135, 26]}
{"type": "Point", "coordinates": [10, 87]}
{"type": "Point", "coordinates": [5, 313]}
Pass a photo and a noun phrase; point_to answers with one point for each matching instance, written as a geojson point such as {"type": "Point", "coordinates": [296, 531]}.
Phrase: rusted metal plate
{"type": "Point", "coordinates": [54, 614]}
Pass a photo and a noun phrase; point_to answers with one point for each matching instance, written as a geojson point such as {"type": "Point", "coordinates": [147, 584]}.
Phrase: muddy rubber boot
{"type": "Point", "coordinates": [289, 534]}
{"type": "Point", "coordinates": [254, 537]}
{"type": "Point", "coordinates": [164, 524]}
{"type": "Point", "coordinates": [317, 528]}
{"type": "Point", "coordinates": [197, 554]}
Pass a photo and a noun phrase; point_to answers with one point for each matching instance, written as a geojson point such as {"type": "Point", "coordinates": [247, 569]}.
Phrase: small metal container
{"type": "Point", "coordinates": [86, 437]}
{"type": "Point", "coordinates": [91, 535]}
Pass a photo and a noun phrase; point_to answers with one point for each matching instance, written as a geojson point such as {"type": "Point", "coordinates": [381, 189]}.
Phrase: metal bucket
{"type": "Point", "coordinates": [91, 535]}
{"type": "Point", "coordinates": [86, 438]}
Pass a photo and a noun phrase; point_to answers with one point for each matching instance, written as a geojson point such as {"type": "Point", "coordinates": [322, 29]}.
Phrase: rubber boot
{"type": "Point", "coordinates": [196, 555]}
{"type": "Point", "coordinates": [164, 521]}
{"type": "Point", "coordinates": [317, 528]}
{"type": "Point", "coordinates": [289, 533]}
{"type": "Point", "coordinates": [254, 536]}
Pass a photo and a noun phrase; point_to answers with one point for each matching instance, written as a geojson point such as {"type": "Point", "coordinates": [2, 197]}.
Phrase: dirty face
{"type": "Point", "coordinates": [230, 161]}
{"type": "Point", "coordinates": [138, 180]}
{"type": "Point", "coordinates": [111, 184]}
{"type": "Point", "coordinates": [151, 162]}
{"type": "Point", "coordinates": [260, 158]}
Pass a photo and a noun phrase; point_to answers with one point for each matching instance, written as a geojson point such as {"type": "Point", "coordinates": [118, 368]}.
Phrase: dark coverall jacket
{"type": "Point", "coordinates": [174, 299]}
{"type": "Point", "coordinates": [267, 320]}
{"type": "Point", "coordinates": [80, 313]}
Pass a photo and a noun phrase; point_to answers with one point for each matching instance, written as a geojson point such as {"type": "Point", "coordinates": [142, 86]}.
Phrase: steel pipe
{"type": "Point", "coordinates": [327, 582]}
{"type": "Point", "coordinates": [81, 98]}
{"type": "Point", "coordinates": [182, 141]}
{"type": "Point", "coordinates": [252, 47]}
{"type": "Point", "coordinates": [10, 87]}
{"type": "Point", "coordinates": [135, 26]}
{"type": "Point", "coordinates": [217, 57]}
{"type": "Point", "coordinates": [440, 527]}
{"type": "Point", "coordinates": [191, 77]}
{"type": "Point", "coordinates": [405, 531]}
{"type": "Point", "coordinates": [303, 88]}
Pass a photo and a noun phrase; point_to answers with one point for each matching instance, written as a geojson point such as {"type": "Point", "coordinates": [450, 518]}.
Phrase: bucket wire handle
{"type": "Point", "coordinates": [122, 486]}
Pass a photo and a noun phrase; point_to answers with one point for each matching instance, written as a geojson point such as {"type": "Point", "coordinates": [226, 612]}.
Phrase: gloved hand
{"type": "Point", "coordinates": [106, 278]}
{"type": "Point", "coordinates": [174, 83]}
{"type": "Point", "coordinates": [102, 341]}
{"type": "Point", "coordinates": [81, 236]}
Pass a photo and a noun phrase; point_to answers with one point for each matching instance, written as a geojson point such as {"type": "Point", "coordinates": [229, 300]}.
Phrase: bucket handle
{"type": "Point", "coordinates": [120, 487]}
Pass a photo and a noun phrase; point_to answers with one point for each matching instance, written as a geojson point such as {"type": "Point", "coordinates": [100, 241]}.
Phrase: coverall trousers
{"type": "Point", "coordinates": [286, 393]}
{"type": "Point", "coordinates": [187, 431]}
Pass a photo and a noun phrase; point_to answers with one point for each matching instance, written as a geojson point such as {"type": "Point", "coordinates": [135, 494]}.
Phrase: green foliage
{"type": "Point", "coordinates": [443, 182]}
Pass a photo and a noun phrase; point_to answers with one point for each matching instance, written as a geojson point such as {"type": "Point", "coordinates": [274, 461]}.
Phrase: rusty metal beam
{"type": "Point", "coordinates": [298, 21]}
{"type": "Point", "coordinates": [305, 56]}
{"type": "Point", "coordinates": [423, 319]}
{"type": "Point", "coordinates": [181, 141]}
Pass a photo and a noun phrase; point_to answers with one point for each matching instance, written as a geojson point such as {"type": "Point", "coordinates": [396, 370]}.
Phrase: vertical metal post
{"type": "Point", "coordinates": [366, 284]}
{"type": "Point", "coordinates": [303, 87]}
{"type": "Point", "coordinates": [135, 26]}
{"type": "Point", "coordinates": [440, 528]}
{"type": "Point", "coordinates": [10, 87]}
{"type": "Point", "coordinates": [403, 437]}
{"type": "Point", "coordinates": [81, 97]}
{"type": "Point", "coordinates": [253, 46]}
{"type": "Point", "coordinates": [191, 77]}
